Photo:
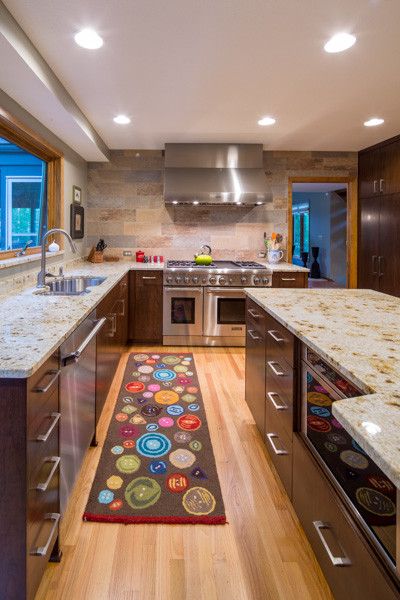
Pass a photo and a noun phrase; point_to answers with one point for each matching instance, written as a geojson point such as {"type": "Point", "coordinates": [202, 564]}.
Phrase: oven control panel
{"type": "Point", "coordinates": [213, 277]}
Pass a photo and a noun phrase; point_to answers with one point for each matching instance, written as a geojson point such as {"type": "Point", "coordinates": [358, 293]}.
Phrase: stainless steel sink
{"type": "Point", "coordinates": [73, 286]}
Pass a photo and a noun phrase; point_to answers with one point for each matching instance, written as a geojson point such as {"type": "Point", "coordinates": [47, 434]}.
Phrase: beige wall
{"type": "Point", "coordinates": [125, 205]}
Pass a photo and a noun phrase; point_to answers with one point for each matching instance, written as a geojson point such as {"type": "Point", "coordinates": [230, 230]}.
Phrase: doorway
{"type": "Point", "coordinates": [322, 230]}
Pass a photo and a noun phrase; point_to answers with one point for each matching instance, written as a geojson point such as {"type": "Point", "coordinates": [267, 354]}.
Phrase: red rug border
{"type": "Point", "coordinates": [124, 519]}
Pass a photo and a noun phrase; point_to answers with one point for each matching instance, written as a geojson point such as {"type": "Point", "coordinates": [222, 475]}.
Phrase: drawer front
{"type": "Point", "coordinates": [289, 280]}
{"type": "Point", "coordinates": [43, 433]}
{"type": "Point", "coordinates": [347, 563]}
{"type": "Point", "coordinates": [255, 316]}
{"type": "Point", "coordinates": [44, 382]}
{"type": "Point", "coordinates": [40, 546]}
{"type": "Point", "coordinates": [280, 342]}
{"type": "Point", "coordinates": [279, 374]}
{"type": "Point", "coordinates": [279, 404]}
{"type": "Point", "coordinates": [279, 446]}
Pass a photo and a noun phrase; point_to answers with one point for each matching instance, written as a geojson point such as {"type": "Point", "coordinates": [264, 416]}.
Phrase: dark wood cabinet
{"type": "Point", "coordinates": [290, 279]}
{"type": "Point", "coordinates": [255, 363]}
{"type": "Point", "coordinates": [146, 306]}
{"type": "Point", "coordinates": [379, 169]}
{"type": "Point", "coordinates": [29, 471]}
{"type": "Point", "coordinates": [349, 566]}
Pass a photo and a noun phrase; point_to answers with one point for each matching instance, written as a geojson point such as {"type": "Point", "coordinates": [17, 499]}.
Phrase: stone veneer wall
{"type": "Point", "coordinates": [125, 206]}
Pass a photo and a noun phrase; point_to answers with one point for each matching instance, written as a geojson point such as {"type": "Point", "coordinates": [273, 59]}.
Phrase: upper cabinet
{"type": "Point", "coordinates": [379, 169]}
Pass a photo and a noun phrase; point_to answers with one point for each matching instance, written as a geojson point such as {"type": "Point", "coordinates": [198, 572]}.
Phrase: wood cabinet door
{"type": "Point", "coordinates": [146, 304]}
{"type": "Point", "coordinates": [107, 351]}
{"type": "Point", "coordinates": [369, 243]}
{"type": "Point", "coordinates": [255, 375]}
{"type": "Point", "coordinates": [389, 168]}
{"type": "Point", "coordinates": [389, 261]}
{"type": "Point", "coordinates": [290, 279]}
{"type": "Point", "coordinates": [369, 165]}
{"type": "Point", "coordinates": [122, 312]}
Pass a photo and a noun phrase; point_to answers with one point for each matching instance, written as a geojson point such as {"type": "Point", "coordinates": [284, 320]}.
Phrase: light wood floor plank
{"type": "Point", "coordinates": [261, 554]}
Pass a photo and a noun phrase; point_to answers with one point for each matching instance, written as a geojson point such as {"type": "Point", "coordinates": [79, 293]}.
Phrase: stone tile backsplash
{"type": "Point", "coordinates": [125, 206]}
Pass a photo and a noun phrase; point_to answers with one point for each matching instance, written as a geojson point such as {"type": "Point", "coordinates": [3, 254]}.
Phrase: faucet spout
{"type": "Point", "coordinates": [41, 278]}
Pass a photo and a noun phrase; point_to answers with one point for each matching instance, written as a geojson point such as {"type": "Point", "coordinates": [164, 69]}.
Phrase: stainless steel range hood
{"type": "Point", "coordinates": [215, 174]}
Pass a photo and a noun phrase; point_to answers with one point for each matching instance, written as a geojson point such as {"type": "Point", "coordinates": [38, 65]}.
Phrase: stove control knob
{"type": "Point", "coordinates": [256, 280]}
{"type": "Point", "coordinates": [265, 280]}
{"type": "Point", "coordinates": [168, 279]}
{"type": "Point", "coordinates": [178, 279]}
{"type": "Point", "coordinates": [204, 280]}
{"type": "Point", "coordinates": [195, 279]}
{"type": "Point", "coordinates": [243, 279]}
{"type": "Point", "coordinates": [187, 280]}
{"type": "Point", "coordinates": [213, 280]}
{"type": "Point", "coordinates": [222, 280]}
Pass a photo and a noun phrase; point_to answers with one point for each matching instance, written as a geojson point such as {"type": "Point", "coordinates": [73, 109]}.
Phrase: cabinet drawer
{"type": "Point", "coordinates": [280, 374]}
{"type": "Point", "coordinates": [289, 280]}
{"type": "Point", "coordinates": [279, 404]}
{"type": "Point", "coordinates": [43, 435]}
{"type": "Point", "coordinates": [279, 446]}
{"type": "Point", "coordinates": [40, 545]}
{"type": "Point", "coordinates": [280, 342]}
{"type": "Point", "coordinates": [348, 565]}
{"type": "Point", "coordinates": [255, 316]}
{"type": "Point", "coordinates": [45, 381]}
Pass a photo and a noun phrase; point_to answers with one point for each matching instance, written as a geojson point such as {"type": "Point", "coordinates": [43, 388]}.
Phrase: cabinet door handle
{"type": "Point", "coordinates": [113, 318]}
{"type": "Point", "coordinates": [253, 313]}
{"type": "Point", "coordinates": [271, 364]}
{"type": "Point", "coordinates": [337, 561]}
{"type": "Point", "coordinates": [380, 262]}
{"type": "Point", "coordinates": [270, 438]}
{"type": "Point", "coordinates": [42, 550]}
{"type": "Point", "coordinates": [75, 356]}
{"type": "Point", "coordinates": [381, 182]}
{"type": "Point", "coordinates": [375, 186]}
{"type": "Point", "coordinates": [374, 265]}
{"type": "Point", "coordinates": [272, 333]}
{"type": "Point", "coordinates": [251, 334]}
{"type": "Point", "coordinates": [281, 406]}
{"type": "Point", "coordinates": [122, 313]}
{"type": "Point", "coordinates": [288, 278]}
{"type": "Point", "coordinates": [45, 436]}
{"type": "Point", "coordinates": [43, 389]}
{"type": "Point", "coordinates": [148, 277]}
{"type": "Point", "coordinates": [43, 486]}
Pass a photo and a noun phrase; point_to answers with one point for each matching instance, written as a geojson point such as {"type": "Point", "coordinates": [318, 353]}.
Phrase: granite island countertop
{"type": "Point", "coordinates": [358, 333]}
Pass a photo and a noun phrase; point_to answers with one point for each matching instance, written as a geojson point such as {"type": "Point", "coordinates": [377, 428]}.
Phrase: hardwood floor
{"type": "Point", "coordinates": [261, 554]}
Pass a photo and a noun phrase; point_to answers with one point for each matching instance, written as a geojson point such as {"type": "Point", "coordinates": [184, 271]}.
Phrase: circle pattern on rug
{"type": "Point", "coordinates": [127, 464]}
{"type": "Point", "coordinates": [171, 360]}
{"type": "Point", "coordinates": [182, 458]}
{"type": "Point", "coordinates": [153, 444]}
{"type": "Point", "coordinates": [135, 386]}
{"type": "Point", "coordinates": [142, 492]}
{"type": "Point", "coordinates": [198, 501]}
{"type": "Point", "coordinates": [164, 375]}
{"type": "Point", "coordinates": [166, 397]}
{"type": "Point", "coordinates": [189, 422]}
{"type": "Point", "coordinates": [175, 410]}
{"type": "Point", "coordinates": [177, 483]}
{"type": "Point", "coordinates": [158, 467]}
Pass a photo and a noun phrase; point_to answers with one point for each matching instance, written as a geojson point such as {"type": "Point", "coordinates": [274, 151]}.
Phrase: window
{"type": "Point", "coordinates": [301, 230]}
{"type": "Point", "coordinates": [23, 197]}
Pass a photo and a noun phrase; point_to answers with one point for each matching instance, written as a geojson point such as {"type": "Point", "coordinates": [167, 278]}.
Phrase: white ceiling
{"type": "Point", "coordinates": [186, 70]}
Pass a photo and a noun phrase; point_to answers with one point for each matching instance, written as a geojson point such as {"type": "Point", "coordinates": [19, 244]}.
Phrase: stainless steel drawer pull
{"type": "Point", "coordinates": [273, 333]}
{"type": "Point", "coordinates": [122, 313]}
{"type": "Point", "coordinates": [43, 486]}
{"type": "Point", "coordinates": [251, 334]}
{"type": "Point", "coordinates": [148, 277]}
{"type": "Point", "coordinates": [270, 437]}
{"type": "Point", "coordinates": [288, 278]}
{"type": "Point", "coordinates": [337, 561]}
{"type": "Point", "coordinates": [253, 313]}
{"type": "Point", "coordinates": [281, 406]}
{"type": "Point", "coordinates": [74, 356]}
{"type": "Point", "coordinates": [380, 261]}
{"type": "Point", "coordinates": [375, 185]}
{"type": "Point", "coordinates": [45, 436]}
{"type": "Point", "coordinates": [381, 182]}
{"type": "Point", "coordinates": [43, 389]}
{"type": "Point", "coordinates": [271, 364]}
{"type": "Point", "coordinates": [43, 550]}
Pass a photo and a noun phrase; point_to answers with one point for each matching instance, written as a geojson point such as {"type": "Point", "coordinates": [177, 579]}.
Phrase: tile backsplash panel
{"type": "Point", "coordinates": [125, 206]}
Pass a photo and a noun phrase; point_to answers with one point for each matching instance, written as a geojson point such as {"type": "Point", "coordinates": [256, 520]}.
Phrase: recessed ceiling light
{"type": "Point", "coordinates": [195, 201]}
{"type": "Point", "coordinates": [266, 121]}
{"type": "Point", "coordinates": [340, 42]}
{"type": "Point", "coordinates": [373, 122]}
{"type": "Point", "coordinates": [88, 38]}
{"type": "Point", "coordinates": [121, 120]}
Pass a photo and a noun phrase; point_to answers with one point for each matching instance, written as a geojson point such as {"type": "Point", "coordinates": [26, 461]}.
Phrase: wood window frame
{"type": "Point", "coordinates": [352, 220]}
{"type": "Point", "coordinates": [18, 133]}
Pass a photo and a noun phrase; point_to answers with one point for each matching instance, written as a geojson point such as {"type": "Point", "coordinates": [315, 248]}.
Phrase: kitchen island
{"type": "Point", "coordinates": [332, 363]}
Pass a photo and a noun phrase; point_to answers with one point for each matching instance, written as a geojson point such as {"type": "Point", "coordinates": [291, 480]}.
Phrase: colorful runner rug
{"type": "Point", "coordinates": [157, 464]}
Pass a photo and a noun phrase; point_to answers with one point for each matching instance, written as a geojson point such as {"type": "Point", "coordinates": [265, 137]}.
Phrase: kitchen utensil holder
{"type": "Point", "coordinates": [95, 256]}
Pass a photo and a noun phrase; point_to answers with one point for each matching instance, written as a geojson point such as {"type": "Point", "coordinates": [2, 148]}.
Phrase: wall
{"type": "Point", "coordinates": [125, 205]}
{"type": "Point", "coordinates": [75, 168]}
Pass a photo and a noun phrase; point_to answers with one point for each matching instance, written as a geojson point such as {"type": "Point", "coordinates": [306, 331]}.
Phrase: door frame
{"type": "Point", "coordinates": [352, 220]}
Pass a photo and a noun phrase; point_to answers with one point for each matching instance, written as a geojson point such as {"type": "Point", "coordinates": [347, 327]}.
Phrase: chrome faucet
{"type": "Point", "coordinates": [41, 278]}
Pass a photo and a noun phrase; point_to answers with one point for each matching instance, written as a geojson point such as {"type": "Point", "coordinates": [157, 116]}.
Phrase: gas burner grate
{"type": "Point", "coordinates": [248, 264]}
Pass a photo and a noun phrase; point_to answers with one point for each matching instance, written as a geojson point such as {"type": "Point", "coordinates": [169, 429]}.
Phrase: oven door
{"type": "Point", "coordinates": [183, 311]}
{"type": "Point", "coordinates": [224, 312]}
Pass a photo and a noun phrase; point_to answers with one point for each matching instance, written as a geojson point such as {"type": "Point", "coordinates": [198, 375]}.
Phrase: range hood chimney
{"type": "Point", "coordinates": [215, 174]}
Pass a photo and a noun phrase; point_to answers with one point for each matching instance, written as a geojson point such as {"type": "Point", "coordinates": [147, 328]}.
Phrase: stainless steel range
{"type": "Point", "coordinates": [205, 305]}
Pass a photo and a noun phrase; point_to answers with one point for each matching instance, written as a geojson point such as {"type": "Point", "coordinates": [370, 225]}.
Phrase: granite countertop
{"type": "Point", "coordinates": [33, 325]}
{"type": "Point", "coordinates": [357, 332]}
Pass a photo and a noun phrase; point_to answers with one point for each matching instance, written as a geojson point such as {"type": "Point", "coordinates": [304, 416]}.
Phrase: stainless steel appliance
{"type": "Point", "coordinates": [367, 492]}
{"type": "Point", "coordinates": [77, 400]}
{"type": "Point", "coordinates": [205, 305]}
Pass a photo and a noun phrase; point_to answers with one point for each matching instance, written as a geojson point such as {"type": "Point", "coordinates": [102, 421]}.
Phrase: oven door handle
{"type": "Point", "coordinates": [229, 290]}
{"type": "Point", "coordinates": [171, 290]}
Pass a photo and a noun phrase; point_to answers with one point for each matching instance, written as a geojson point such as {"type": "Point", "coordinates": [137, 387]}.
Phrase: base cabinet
{"type": "Point", "coordinates": [255, 363]}
{"type": "Point", "coordinates": [146, 306]}
{"type": "Point", "coordinates": [348, 565]}
{"type": "Point", "coordinates": [282, 279]}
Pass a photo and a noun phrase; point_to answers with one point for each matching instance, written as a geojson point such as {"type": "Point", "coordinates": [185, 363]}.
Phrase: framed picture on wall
{"type": "Point", "coordinates": [77, 221]}
{"type": "Point", "coordinates": [76, 194]}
